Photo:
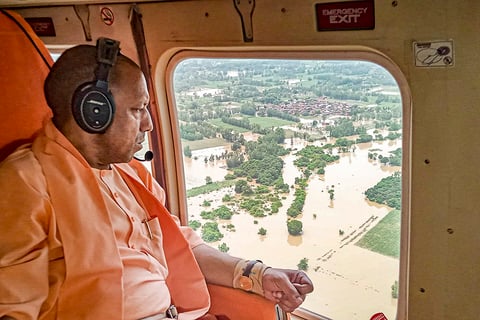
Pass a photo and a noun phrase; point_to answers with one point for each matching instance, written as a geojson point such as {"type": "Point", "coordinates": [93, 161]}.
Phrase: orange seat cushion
{"type": "Point", "coordinates": [24, 65]}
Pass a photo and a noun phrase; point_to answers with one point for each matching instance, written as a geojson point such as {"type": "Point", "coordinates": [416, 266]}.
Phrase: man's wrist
{"type": "Point", "coordinates": [248, 276]}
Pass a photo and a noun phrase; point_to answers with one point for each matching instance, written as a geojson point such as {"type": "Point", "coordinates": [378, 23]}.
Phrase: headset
{"type": "Point", "coordinates": [93, 106]}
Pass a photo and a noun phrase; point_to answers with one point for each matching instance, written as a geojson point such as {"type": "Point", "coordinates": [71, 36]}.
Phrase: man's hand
{"type": "Point", "coordinates": [287, 288]}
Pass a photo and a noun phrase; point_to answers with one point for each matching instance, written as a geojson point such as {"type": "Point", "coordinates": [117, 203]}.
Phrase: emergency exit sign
{"type": "Point", "coordinates": [350, 15]}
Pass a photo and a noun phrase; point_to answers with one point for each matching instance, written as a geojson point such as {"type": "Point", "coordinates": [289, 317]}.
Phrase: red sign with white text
{"type": "Point", "coordinates": [43, 27]}
{"type": "Point", "coordinates": [351, 15]}
{"type": "Point", "coordinates": [378, 316]}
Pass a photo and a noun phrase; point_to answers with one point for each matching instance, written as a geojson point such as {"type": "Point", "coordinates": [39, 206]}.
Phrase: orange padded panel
{"type": "Point", "coordinates": [236, 304]}
{"type": "Point", "coordinates": [24, 65]}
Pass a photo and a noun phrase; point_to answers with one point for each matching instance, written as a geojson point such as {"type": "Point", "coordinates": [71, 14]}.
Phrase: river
{"type": "Point", "coordinates": [350, 282]}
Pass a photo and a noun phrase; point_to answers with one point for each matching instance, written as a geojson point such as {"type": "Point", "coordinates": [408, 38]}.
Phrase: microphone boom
{"type": "Point", "coordinates": [147, 157]}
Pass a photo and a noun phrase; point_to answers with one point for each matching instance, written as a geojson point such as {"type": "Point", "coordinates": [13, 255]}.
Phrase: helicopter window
{"type": "Point", "coordinates": [298, 163]}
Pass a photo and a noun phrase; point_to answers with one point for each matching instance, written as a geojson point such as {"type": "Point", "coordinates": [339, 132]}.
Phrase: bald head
{"type": "Point", "coordinates": [75, 67]}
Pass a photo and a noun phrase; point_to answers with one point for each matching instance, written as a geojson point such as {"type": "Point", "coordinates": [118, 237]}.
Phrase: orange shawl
{"type": "Point", "coordinates": [93, 265]}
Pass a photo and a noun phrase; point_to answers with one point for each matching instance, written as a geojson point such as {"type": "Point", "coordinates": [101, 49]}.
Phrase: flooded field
{"type": "Point", "coordinates": [350, 282]}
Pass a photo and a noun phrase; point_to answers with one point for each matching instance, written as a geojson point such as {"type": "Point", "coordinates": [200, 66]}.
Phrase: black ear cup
{"type": "Point", "coordinates": [93, 108]}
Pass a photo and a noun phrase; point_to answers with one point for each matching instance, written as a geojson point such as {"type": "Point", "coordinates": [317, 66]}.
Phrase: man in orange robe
{"type": "Point", "coordinates": [84, 232]}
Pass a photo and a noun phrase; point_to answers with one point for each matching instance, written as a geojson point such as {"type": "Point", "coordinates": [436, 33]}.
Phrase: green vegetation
{"type": "Point", "coordinates": [194, 224]}
{"type": "Point", "coordinates": [264, 164]}
{"type": "Point", "coordinates": [255, 207]}
{"type": "Point", "coordinates": [204, 143]}
{"type": "Point", "coordinates": [295, 227]}
{"type": "Point", "coordinates": [388, 191]}
{"type": "Point", "coordinates": [197, 130]}
{"type": "Point", "coordinates": [210, 187]}
{"type": "Point", "coordinates": [223, 247]}
{"type": "Point", "coordinates": [303, 264]}
{"type": "Point", "coordinates": [242, 186]}
{"type": "Point", "coordinates": [223, 212]}
{"type": "Point", "coordinates": [210, 232]}
{"type": "Point", "coordinates": [314, 158]}
{"type": "Point", "coordinates": [331, 193]}
{"type": "Point", "coordinates": [384, 238]}
{"type": "Point", "coordinates": [296, 207]}
{"type": "Point", "coordinates": [223, 125]}
{"type": "Point", "coordinates": [262, 231]}
{"type": "Point", "coordinates": [187, 152]}
{"type": "Point", "coordinates": [395, 290]}
{"type": "Point", "coordinates": [394, 158]}
{"type": "Point", "coordinates": [218, 101]}
{"type": "Point", "coordinates": [268, 122]}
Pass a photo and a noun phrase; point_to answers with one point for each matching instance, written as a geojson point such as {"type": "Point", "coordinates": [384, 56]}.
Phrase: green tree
{"type": "Point", "coordinates": [295, 227]}
{"type": "Point", "coordinates": [223, 212]}
{"type": "Point", "coordinates": [240, 186]}
{"type": "Point", "coordinates": [303, 264]}
{"type": "Point", "coordinates": [332, 193]}
{"type": "Point", "coordinates": [395, 290]}
{"type": "Point", "coordinates": [194, 224]}
{"type": "Point", "coordinates": [223, 247]}
{"type": "Point", "coordinates": [262, 231]}
{"type": "Point", "coordinates": [210, 232]}
{"type": "Point", "coordinates": [187, 152]}
{"type": "Point", "coordinates": [388, 191]}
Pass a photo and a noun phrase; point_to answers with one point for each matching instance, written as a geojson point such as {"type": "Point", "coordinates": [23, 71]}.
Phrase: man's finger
{"type": "Point", "coordinates": [302, 288]}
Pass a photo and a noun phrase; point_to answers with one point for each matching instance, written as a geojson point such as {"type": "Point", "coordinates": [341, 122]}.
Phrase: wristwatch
{"type": "Point", "coordinates": [246, 283]}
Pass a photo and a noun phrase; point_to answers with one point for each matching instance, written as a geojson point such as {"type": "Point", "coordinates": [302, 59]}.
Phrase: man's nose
{"type": "Point", "coordinates": [146, 125]}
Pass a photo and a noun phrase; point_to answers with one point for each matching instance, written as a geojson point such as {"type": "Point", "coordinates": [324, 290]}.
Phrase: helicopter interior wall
{"type": "Point", "coordinates": [443, 279]}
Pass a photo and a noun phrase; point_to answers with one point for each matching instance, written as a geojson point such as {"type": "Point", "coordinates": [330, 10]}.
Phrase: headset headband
{"type": "Point", "coordinates": [107, 52]}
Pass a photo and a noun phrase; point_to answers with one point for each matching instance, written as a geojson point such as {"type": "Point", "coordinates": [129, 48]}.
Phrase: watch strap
{"type": "Point", "coordinates": [249, 267]}
{"type": "Point", "coordinates": [248, 276]}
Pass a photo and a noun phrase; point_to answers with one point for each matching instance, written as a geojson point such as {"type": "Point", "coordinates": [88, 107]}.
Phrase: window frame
{"type": "Point", "coordinates": [171, 142]}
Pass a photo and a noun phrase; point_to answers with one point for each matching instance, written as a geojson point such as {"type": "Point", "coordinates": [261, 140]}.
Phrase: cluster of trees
{"type": "Point", "coordinates": [314, 159]}
{"type": "Point", "coordinates": [265, 171]}
{"type": "Point", "coordinates": [296, 207]}
{"type": "Point", "coordinates": [210, 232]}
{"type": "Point", "coordinates": [387, 191]}
{"type": "Point", "coordinates": [222, 212]}
{"type": "Point", "coordinates": [197, 130]}
{"type": "Point", "coordinates": [281, 115]}
{"type": "Point", "coordinates": [264, 164]}
{"type": "Point", "coordinates": [269, 203]}
{"type": "Point", "coordinates": [255, 207]}
{"type": "Point", "coordinates": [238, 122]}
{"type": "Point", "coordinates": [344, 127]}
{"type": "Point", "coordinates": [394, 158]}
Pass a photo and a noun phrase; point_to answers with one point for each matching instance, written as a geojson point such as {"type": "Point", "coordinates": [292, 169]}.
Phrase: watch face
{"type": "Point", "coordinates": [246, 283]}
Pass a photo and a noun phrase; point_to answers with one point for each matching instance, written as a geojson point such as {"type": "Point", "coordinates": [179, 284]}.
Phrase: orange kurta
{"type": "Point", "coordinates": [59, 257]}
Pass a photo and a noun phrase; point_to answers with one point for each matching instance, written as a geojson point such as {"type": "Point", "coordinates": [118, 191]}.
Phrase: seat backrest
{"type": "Point", "coordinates": [24, 65]}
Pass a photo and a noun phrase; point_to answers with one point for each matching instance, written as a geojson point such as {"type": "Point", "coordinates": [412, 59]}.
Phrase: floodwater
{"type": "Point", "coordinates": [350, 282]}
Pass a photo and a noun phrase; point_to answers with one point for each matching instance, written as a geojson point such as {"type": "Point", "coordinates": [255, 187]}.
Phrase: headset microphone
{"type": "Point", "coordinates": [147, 157]}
